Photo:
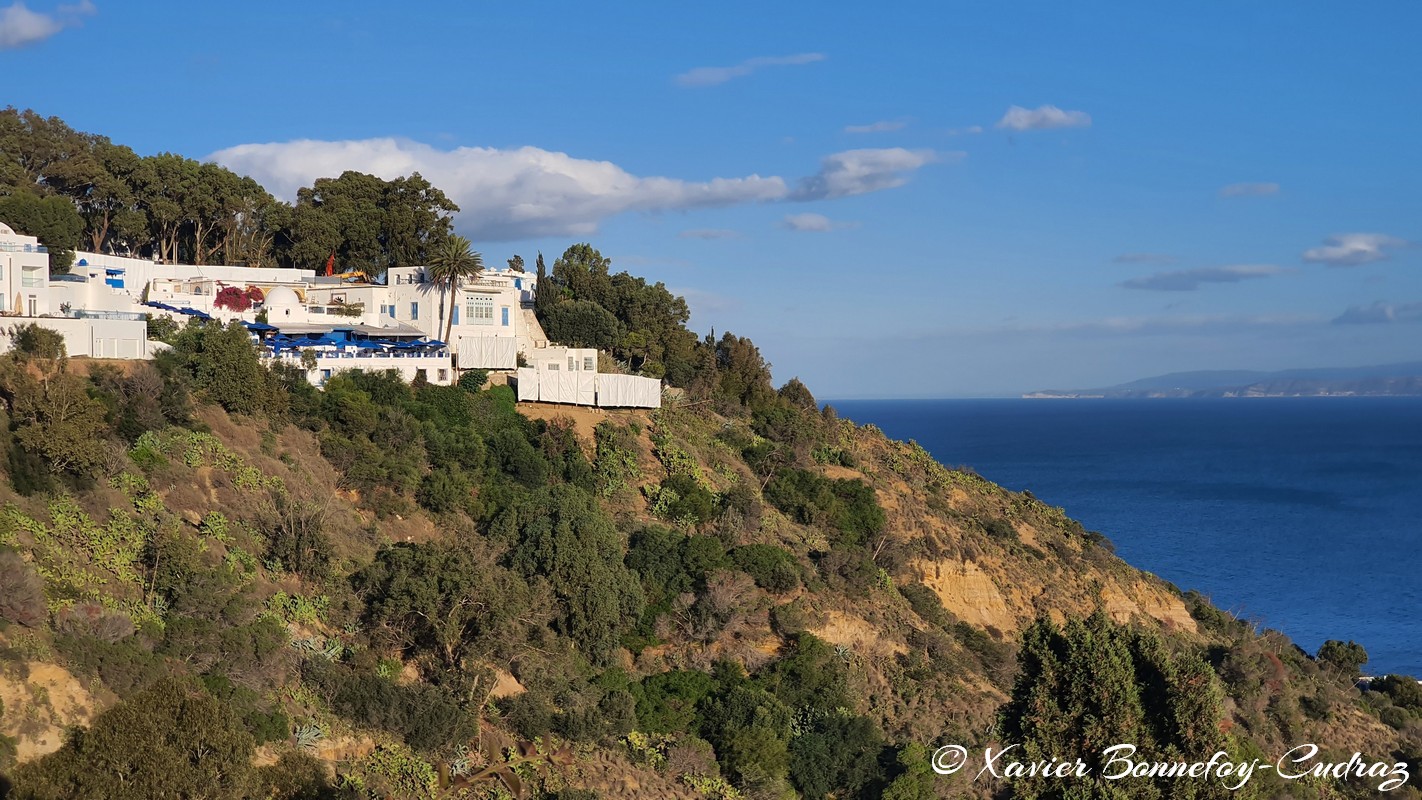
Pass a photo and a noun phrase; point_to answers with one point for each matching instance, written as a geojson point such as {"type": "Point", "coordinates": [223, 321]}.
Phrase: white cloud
{"type": "Point", "coordinates": [502, 194]}
{"type": "Point", "coordinates": [1352, 249]}
{"type": "Point", "coordinates": [708, 233]}
{"type": "Point", "coordinates": [1042, 118]}
{"type": "Point", "coordinates": [854, 172]}
{"type": "Point", "coordinates": [528, 192]}
{"type": "Point", "coordinates": [19, 26]}
{"type": "Point", "coordinates": [1144, 258]}
{"type": "Point", "coordinates": [1380, 312]}
{"type": "Point", "coordinates": [1188, 280]}
{"type": "Point", "coordinates": [712, 76]}
{"type": "Point", "coordinates": [971, 129]}
{"type": "Point", "coordinates": [813, 223]}
{"type": "Point", "coordinates": [882, 126]}
{"type": "Point", "coordinates": [1249, 189]}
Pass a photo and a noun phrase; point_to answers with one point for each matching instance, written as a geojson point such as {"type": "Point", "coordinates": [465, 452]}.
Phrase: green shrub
{"type": "Point", "coordinates": [444, 490]}
{"type": "Point", "coordinates": [666, 702]}
{"type": "Point", "coordinates": [773, 568]}
{"type": "Point", "coordinates": [926, 604]}
{"type": "Point", "coordinates": [850, 507]}
{"type": "Point", "coordinates": [686, 500]}
{"type": "Point", "coordinates": [1395, 718]}
{"type": "Point", "coordinates": [473, 380]}
{"type": "Point", "coordinates": [530, 714]}
{"type": "Point", "coordinates": [615, 465]}
{"type": "Point", "coordinates": [1402, 690]}
{"type": "Point", "coordinates": [423, 715]}
{"type": "Point", "coordinates": [122, 666]}
{"type": "Point", "coordinates": [171, 740]}
{"type": "Point", "coordinates": [999, 528]}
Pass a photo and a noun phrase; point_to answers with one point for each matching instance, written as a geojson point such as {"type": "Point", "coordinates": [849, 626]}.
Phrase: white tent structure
{"type": "Point", "coordinates": [588, 388]}
{"type": "Point", "coordinates": [487, 352]}
{"type": "Point", "coordinates": [628, 391]}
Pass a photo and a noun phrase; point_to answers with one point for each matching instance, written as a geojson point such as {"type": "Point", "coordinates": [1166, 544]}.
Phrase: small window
{"type": "Point", "coordinates": [414, 311]}
{"type": "Point", "coordinates": [443, 375]}
{"type": "Point", "coordinates": [588, 365]}
{"type": "Point", "coordinates": [479, 311]}
{"type": "Point", "coordinates": [572, 363]}
{"type": "Point", "coordinates": [552, 366]}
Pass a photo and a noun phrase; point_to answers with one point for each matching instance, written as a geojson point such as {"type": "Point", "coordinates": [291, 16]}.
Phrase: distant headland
{"type": "Point", "coordinates": [1384, 380]}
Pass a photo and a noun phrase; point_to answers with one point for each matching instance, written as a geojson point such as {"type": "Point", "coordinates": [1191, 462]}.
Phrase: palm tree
{"type": "Point", "coordinates": [450, 264]}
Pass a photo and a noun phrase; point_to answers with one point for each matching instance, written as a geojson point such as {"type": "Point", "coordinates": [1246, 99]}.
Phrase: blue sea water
{"type": "Point", "coordinates": [1300, 514]}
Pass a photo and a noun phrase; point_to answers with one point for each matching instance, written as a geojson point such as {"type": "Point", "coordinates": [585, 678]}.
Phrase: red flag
{"type": "Point", "coordinates": [331, 264]}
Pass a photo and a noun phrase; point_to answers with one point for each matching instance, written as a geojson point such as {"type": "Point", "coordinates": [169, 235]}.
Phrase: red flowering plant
{"type": "Point", "coordinates": [236, 299]}
{"type": "Point", "coordinates": [233, 298]}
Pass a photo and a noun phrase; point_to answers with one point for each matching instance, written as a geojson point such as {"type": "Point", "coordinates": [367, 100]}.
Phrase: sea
{"type": "Point", "coordinates": [1303, 515]}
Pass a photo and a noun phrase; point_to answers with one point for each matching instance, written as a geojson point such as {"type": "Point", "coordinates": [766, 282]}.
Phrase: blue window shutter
{"type": "Point", "coordinates": [506, 316]}
{"type": "Point", "coordinates": [456, 315]}
{"type": "Point", "coordinates": [414, 311]}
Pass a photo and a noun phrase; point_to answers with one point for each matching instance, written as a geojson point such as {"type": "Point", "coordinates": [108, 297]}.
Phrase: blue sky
{"type": "Point", "coordinates": [892, 200]}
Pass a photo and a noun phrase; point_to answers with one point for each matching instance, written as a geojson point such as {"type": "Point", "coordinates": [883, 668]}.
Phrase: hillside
{"type": "Point", "coordinates": [218, 581]}
{"type": "Point", "coordinates": [379, 586]}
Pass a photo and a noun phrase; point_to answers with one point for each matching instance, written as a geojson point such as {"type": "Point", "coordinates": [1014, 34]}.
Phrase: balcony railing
{"type": "Point", "coordinates": [16, 247]}
{"type": "Point", "coordinates": [124, 315]}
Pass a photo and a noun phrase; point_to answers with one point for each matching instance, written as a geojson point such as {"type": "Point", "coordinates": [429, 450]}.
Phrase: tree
{"type": "Point", "coordinates": [516, 263]}
{"type": "Point", "coordinates": [52, 220]}
{"type": "Point", "coordinates": [565, 537]}
{"type": "Point", "coordinates": [1345, 659]}
{"type": "Point", "coordinates": [170, 740]}
{"type": "Point", "coordinates": [51, 411]}
{"type": "Point", "coordinates": [369, 224]}
{"type": "Point", "coordinates": [582, 323]}
{"type": "Point", "coordinates": [447, 600]}
{"type": "Point", "coordinates": [1092, 684]}
{"type": "Point", "coordinates": [450, 265]}
{"type": "Point", "coordinates": [544, 292]}
{"type": "Point", "coordinates": [222, 361]}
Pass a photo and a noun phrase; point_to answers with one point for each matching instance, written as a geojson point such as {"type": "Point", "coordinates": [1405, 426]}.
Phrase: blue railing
{"type": "Point", "coordinates": [16, 247]}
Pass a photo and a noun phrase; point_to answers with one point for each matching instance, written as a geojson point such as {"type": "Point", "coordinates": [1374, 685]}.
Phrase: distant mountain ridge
{"type": "Point", "coordinates": [1381, 380]}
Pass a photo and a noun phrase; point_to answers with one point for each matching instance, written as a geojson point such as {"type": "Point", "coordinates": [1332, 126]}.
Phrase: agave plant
{"type": "Point", "coordinates": [329, 649]}
{"type": "Point", "coordinates": [308, 736]}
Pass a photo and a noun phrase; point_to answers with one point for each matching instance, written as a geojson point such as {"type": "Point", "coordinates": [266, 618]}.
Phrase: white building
{"type": "Point", "coordinates": [326, 324]}
{"type": "Point", "coordinates": [29, 296]}
{"type": "Point", "coordinates": [24, 274]}
{"type": "Point", "coordinates": [491, 324]}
